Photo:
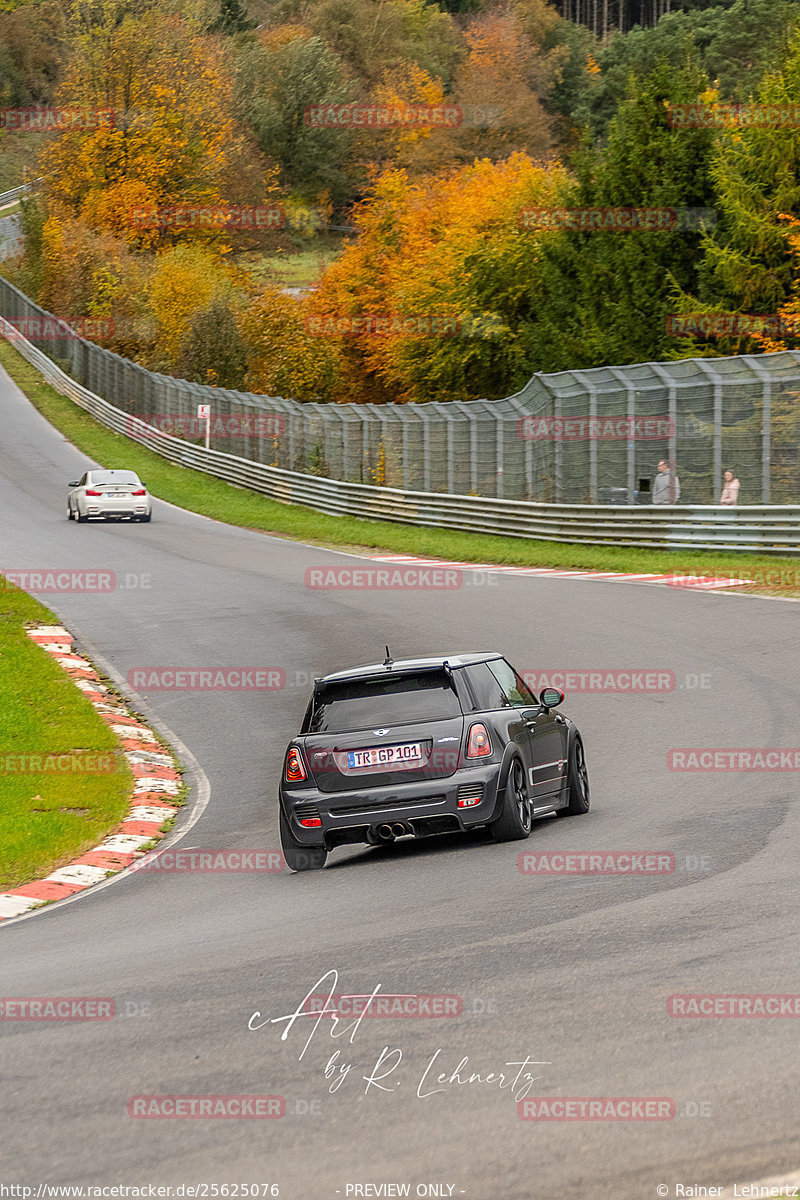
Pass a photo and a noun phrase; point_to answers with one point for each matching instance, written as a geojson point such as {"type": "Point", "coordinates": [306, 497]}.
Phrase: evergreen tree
{"type": "Point", "coordinates": [232, 18]}
{"type": "Point", "coordinates": [213, 350]}
{"type": "Point", "coordinates": [747, 265]}
{"type": "Point", "coordinates": [603, 297]}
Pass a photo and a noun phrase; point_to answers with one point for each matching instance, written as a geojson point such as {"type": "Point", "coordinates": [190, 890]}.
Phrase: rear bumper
{"type": "Point", "coordinates": [425, 807]}
{"type": "Point", "coordinates": [116, 508]}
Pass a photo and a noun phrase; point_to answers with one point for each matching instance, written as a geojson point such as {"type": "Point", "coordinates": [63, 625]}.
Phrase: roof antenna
{"type": "Point", "coordinates": [387, 662]}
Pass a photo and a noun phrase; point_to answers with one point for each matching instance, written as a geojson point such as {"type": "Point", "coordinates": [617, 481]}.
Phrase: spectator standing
{"type": "Point", "coordinates": [666, 486]}
{"type": "Point", "coordinates": [730, 491]}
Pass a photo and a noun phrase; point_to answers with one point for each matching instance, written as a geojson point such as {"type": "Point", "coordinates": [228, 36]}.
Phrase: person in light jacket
{"type": "Point", "coordinates": [730, 492]}
{"type": "Point", "coordinates": [666, 486]}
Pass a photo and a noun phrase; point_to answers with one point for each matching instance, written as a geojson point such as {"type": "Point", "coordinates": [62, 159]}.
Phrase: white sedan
{"type": "Point", "coordinates": [108, 494]}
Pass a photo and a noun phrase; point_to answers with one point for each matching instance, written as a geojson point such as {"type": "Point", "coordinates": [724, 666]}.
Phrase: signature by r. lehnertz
{"type": "Point", "coordinates": [386, 1074]}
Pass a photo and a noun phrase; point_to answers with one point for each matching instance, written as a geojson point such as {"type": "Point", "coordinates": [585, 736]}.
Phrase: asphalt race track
{"type": "Point", "coordinates": [569, 972]}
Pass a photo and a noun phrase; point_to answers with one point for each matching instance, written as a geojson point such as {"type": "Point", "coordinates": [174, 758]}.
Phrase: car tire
{"type": "Point", "coordinates": [145, 518]}
{"type": "Point", "coordinates": [299, 857]}
{"type": "Point", "coordinates": [515, 821]}
{"type": "Point", "coordinates": [81, 519]}
{"type": "Point", "coordinates": [70, 513]}
{"type": "Point", "coordinates": [577, 781]}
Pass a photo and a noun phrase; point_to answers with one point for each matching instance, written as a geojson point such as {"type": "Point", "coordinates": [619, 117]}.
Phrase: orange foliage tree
{"type": "Point", "coordinates": [158, 129]}
{"type": "Point", "coordinates": [447, 259]}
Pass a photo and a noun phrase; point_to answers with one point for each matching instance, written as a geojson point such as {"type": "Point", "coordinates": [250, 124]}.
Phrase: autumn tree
{"type": "Point", "coordinates": [499, 85]}
{"type": "Point", "coordinates": [283, 357]}
{"type": "Point", "coordinates": [279, 79]}
{"type": "Point", "coordinates": [171, 137]}
{"type": "Point", "coordinates": [187, 280]}
{"type": "Point", "coordinates": [374, 36]}
{"type": "Point", "coordinates": [447, 260]}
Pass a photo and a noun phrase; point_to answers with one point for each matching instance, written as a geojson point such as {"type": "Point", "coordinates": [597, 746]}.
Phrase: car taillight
{"type": "Point", "coordinates": [92, 492]}
{"type": "Point", "coordinates": [310, 822]}
{"type": "Point", "coordinates": [139, 492]}
{"type": "Point", "coordinates": [295, 771]}
{"type": "Point", "coordinates": [479, 744]}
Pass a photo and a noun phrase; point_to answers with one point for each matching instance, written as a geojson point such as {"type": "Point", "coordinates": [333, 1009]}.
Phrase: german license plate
{"type": "Point", "coordinates": [409, 753]}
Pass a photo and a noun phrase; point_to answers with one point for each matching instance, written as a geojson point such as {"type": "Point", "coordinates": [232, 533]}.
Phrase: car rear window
{"type": "Point", "coordinates": [389, 700]}
{"type": "Point", "coordinates": [114, 477]}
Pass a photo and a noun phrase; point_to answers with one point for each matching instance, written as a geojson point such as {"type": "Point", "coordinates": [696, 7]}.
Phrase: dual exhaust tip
{"type": "Point", "coordinates": [387, 833]}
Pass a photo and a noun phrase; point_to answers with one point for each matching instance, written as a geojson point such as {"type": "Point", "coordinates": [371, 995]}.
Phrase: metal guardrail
{"type": "Point", "coordinates": [15, 193]}
{"type": "Point", "coordinates": [765, 528]}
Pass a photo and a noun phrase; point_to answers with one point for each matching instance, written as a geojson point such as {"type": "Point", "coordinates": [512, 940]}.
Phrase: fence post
{"type": "Point", "coordinates": [500, 458]}
{"type": "Point", "coordinates": [672, 410]}
{"type": "Point", "coordinates": [630, 390]}
{"type": "Point", "coordinates": [558, 453]}
{"type": "Point", "coordinates": [717, 455]}
{"type": "Point", "coordinates": [426, 451]}
{"type": "Point", "coordinates": [766, 425]}
{"type": "Point", "coordinates": [592, 390]}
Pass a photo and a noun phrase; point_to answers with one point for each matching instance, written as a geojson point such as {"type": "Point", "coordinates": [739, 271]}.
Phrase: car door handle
{"type": "Point", "coordinates": [560, 719]}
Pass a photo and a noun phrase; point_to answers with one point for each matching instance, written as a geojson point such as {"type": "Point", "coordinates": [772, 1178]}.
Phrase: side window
{"type": "Point", "coordinates": [82, 482]}
{"type": "Point", "coordinates": [514, 689]}
{"type": "Point", "coordinates": [489, 694]}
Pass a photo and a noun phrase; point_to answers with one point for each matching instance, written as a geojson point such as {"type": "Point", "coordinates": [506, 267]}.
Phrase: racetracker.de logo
{"type": "Point", "coordinates": [709, 1004]}
{"type": "Point", "coordinates": [226, 217]}
{"type": "Point", "coordinates": [233, 425]}
{"type": "Point", "coordinates": [64, 581]}
{"type": "Point", "coordinates": [213, 1107]}
{"type": "Point", "coordinates": [75, 762]}
{"type": "Point", "coordinates": [383, 578]}
{"type": "Point", "coordinates": [597, 1108]}
{"type": "Point", "coordinates": [596, 862]}
{"type": "Point", "coordinates": [382, 116]}
{"type": "Point", "coordinates": [383, 325]}
{"type": "Point", "coordinates": [617, 220]}
{"type": "Point", "coordinates": [385, 1005]}
{"type": "Point", "coordinates": [207, 679]}
{"type": "Point", "coordinates": [64, 329]}
{"type": "Point", "coordinates": [732, 325]}
{"type": "Point", "coordinates": [720, 116]}
{"type": "Point", "coordinates": [44, 120]}
{"type": "Point", "coordinates": [577, 681]}
{"type": "Point", "coordinates": [734, 758]}
{"type": "Point", "coordinates": [57, 1008]}
{"type": "Point", "coordinates": [595, 429]}
{"type": "Point", "coordinates": [233, 862]}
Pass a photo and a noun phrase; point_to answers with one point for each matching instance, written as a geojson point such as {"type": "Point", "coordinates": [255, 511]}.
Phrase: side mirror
{"type": "Point", "coordinates": [551, 698]}
{"type": "Point", "coordinates": [73, 484]}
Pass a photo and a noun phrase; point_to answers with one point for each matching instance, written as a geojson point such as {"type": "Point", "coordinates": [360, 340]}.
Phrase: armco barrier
{"type": "Point", "coordinates": [766, 528]}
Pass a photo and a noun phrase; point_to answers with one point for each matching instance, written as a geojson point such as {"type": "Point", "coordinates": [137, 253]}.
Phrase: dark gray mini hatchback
{"type": "Point", "coordinates": [426, 746]}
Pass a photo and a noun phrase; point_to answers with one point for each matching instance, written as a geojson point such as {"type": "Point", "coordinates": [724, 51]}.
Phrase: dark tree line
{"type": "Point", "coordinates": [608, 16]}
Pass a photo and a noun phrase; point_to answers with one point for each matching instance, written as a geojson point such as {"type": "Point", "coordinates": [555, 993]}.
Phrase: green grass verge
{"type": "Point", "coordinates": [211, 497]}
{"type": "Point", "coordinates": [292, 268]}
{"type": "Point", "coordinates": [48, 818]}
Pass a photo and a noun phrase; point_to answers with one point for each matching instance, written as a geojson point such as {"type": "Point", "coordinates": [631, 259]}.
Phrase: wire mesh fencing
{"type": "Point", "coordinates": [575, 437]}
